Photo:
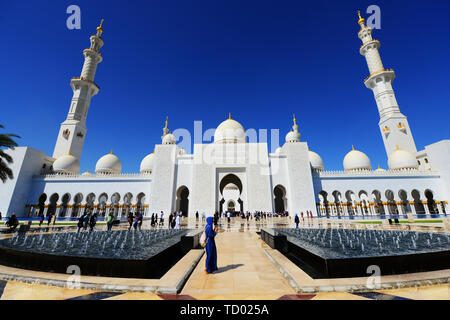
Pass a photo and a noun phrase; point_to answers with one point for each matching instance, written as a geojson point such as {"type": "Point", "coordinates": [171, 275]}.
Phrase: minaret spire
{"type": "Point", "coordinates": [73, 130]}
{"type": "Point", "coordinates": [393, 124]}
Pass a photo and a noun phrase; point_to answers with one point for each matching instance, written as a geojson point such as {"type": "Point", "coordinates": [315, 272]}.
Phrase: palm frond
{"type": "Point", "coordinates": [5, 171]}
{"type": "Point", "coordinates": [6, 156]}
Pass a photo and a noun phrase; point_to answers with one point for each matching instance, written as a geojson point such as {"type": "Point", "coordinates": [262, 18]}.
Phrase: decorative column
{"type": "Point", "coordinates": [400, 207]}
{"type": "Point", "coordinates": [439, 206]}
{"type": "Point", "coordinates": [425, 205]}
{"type": "Point", "coordinates": [413, 207]}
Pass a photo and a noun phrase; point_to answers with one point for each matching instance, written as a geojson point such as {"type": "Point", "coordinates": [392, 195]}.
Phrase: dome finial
{"type": "Point", "coordinates": [111, 151]}
{"type": "Point", "coordinates": [167, 122]}
{"type": "Point", "coordinates": [353, 148]}
{"type": "Point", "coordinates": [361, 19]}
{"type": "Point", "coordinates": [70, 152]}
{"type": "Point", "coordinates": [397, 147]}
{"type": "Point", "coordinates": [229, 115]}
{"type": "Point", "coordinates": [100, 28]}
{"type": "Point", "coordinates": [295, 121]}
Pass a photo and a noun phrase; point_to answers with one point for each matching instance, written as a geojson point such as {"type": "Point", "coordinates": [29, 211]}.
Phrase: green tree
{"type": "Point", "coordinates": [6, 141]}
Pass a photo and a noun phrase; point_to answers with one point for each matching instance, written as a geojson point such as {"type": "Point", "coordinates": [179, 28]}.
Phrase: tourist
{"type": "Point", "coordinates": [296, 220]}
{"type": "Point", "coordinates": [140, 221]}
{"type": "Point", "coordinates": [196, 215]}
{"type": "Point", "coordinates": [80, 223]}
{"type": "Point", "coordinates": [41, 218]}
{"type": "Point", "coordinates": [92, 222]}
{"type": "Point", "coordinates": [229, 216]}
{"type": "Point", "coordinates": [211, 251]}
{"type": "Point", "coordinates": [177, 222]}
{"type": "Point", "coordinates": [86, 221]}
{"type": "Point", "coordinates": [49, 218]}
{"type": "Point", "coordinates": [135, 224]}
{"type": "Point", "coordinates": [130, 220]}
{"type": "Point", "coordinates": [152, 222]}
{"type": "Point", "coordinates": [12, 222]}
{"type": "Point", "coordinates": [170, 220]}
{"type": "Point", "coordinates": [301, 213]}
{"type": "Point", "coordinates": [109, 221]}
{"type": "Point", "coordinates": [161, 219]}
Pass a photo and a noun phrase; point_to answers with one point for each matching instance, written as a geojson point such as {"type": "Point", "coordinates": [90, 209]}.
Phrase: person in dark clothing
{"type": "Point", "coordinates": [196, 215]}
{"type": "Point", "coordinates": [170, 220]}
{"type": "Point", "coordinates": [12, 222]}
{"type": "Point", "coordinates": [296, 220]}
{"type": "Point", "coordinates": [211, 250]}
{"type": "Point", "coordinates": [130, 219]}
{"type": "Point", "coordinates": [80, 223]}
{"type": "Point", "coordinates": [92, 222]}
{"type": "Point", "coordinates": [140, 221]}
{"type": "Point", "coordinates": [152, 223]}
{"type": "Point", "coordinates": [215, 219]}
{"type": "Point", "coordinates": [41, 218]}
{"type": "Point", "coordinates": [49, 218]}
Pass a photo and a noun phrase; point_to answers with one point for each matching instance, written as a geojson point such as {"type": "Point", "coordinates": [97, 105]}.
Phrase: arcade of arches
{"type": "Point", "coordinates": [353, 203]}
{"type": "Point", "coordinates": [68, 205]}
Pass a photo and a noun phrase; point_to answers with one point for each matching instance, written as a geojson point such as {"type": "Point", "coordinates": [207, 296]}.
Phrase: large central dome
{"type": "Point", "coordinates": [230, 131]}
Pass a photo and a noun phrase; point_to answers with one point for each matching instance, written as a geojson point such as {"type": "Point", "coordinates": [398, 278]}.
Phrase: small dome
{"type": "Point", "coordinates": [147, 163]}
{"type": "Point", "coordinates": [67, 164]}
{"type": "Point", "coordinates": [315, 160]}
{"type": "Point", "coordinates": [108, 164]}
{"type": "Point", "coordinates": [181, 151]}
{"type": "Point", "coordinates": [380, 169]}
{"type": "Point", "coordinates": [278, 150]}
{"type": "Point", "coordinates": [402, 159]}
{"type": "Point", "coordinates": [230, 131]}
{"type": "Point", "coordinates": [87, 173]}
{"type": "Point", "coordinates": [169, 139]}
{"type": "Point", "coordinates": [293, 137]}
{"type": "Point", "coordinates": [356, 160]}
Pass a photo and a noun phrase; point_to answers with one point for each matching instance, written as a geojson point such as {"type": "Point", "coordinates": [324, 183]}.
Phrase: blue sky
{"type": "Point", "coordinates": [201, 59]}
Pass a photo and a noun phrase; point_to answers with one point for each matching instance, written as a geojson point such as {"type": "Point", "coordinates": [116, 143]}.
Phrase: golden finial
{"type": "Point", "coordinates": [111, 151]}
{"type": "Point", "coordinates": [353, 148]}
{"type": "Point", "coordinates": [398, 147]}
{"type": "Point", "coordinates": [295, 121]}
{"type": "Point", "coordinates": [100, 28]}
{"type": "Point", "coordinates": [308, 148]}
{"type": "Point", "coordinates": [167, 121]}
{"type": "Point", "coordinates": [70, 152]}
{"type": "Point", "coordinates": [229, 115]}
{"type": "Point", "coordinates": [361, 19]}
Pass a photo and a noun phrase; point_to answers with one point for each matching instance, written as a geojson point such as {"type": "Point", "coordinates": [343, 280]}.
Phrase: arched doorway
{"type": "Point", "coordinates": [183, 200]}
{"type": "Point", "coordinates": [230, 188]}
{"type": "Point", "coordinates": [231, 207]}
{"type": "Point", "coordinates": [41, 204]}
{"type": "Point", "coordinates": [280, 200]}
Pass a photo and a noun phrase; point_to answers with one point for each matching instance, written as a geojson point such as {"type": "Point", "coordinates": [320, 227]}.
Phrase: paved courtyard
{"type": "Point", "coordinates": [248, 270]}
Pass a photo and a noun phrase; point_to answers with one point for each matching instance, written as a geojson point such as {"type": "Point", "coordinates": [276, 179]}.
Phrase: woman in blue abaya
{"type": "Point", "coordinates": [211, 251]}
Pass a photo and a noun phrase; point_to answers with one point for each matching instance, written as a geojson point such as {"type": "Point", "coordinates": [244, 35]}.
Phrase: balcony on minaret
{"type": "Point", "coordinates": [401, 127]}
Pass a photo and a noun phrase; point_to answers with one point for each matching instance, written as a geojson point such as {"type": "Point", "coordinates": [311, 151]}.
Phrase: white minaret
{"type": "Point", "coordinates": [393, 124]}
{"type": "Point", "coordinates": [73, 130]}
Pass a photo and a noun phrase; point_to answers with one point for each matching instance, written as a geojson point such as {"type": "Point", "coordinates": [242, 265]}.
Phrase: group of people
{"type": "Point", "coordinates": [87, 219]}
{"type": "Point", "coordinates": [135, 220]}
{"type": "Point", "coordinates": [173, 223]}
{"type": "Point", "coordinates": [309, 215]}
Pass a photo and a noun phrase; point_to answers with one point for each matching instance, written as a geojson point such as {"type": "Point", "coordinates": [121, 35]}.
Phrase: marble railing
{"type": "Point", "coordinates": [390, 173]}
{"type": "Point", "coordinates": [92, 176]}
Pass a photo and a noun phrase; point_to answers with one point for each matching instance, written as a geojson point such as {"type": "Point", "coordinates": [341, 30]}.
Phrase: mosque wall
{"type": "Point", "coordinates": [14, 192]}
{"type": "Point", "coordinates": [163, 179]}
{"type": "Point", "coordinates": [301, 195]}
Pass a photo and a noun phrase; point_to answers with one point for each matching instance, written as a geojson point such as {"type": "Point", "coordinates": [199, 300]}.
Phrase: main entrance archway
{"type": "Point", "coordinates": [230, 188]}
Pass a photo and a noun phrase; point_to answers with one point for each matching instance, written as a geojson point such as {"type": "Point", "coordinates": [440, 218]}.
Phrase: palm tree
{"type": "Point", "coordinates": [6, 141]}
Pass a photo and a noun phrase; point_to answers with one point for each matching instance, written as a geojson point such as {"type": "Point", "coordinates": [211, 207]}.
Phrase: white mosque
{"type": "Point", "coordinates": [232, 174]}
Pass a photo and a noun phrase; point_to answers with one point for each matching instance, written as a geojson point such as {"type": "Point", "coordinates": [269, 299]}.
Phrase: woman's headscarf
{"type": "Point", "coordinates": [209, 221]}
